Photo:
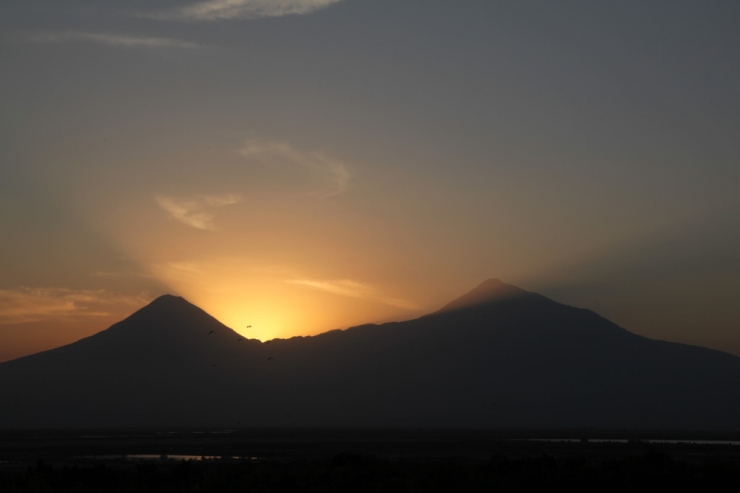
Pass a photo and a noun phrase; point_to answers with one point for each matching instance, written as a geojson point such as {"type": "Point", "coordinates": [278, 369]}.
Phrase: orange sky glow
{"type": "Point", "coordinates": [308, 169]}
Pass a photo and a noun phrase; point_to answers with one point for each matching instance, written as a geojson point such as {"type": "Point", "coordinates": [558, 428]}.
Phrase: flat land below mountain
{"type": "Point", "coordinates": [362, 460]}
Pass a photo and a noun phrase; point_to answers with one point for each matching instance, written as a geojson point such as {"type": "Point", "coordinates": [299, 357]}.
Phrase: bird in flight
{"type": "Point", "coordinates": [211, 332]}
{"type": "Point", "coordinates": [239, 340]}
{"type": "Point", "coordinates": [249, 326]}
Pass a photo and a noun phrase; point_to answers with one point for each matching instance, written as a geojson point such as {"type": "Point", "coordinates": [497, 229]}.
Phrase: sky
{"type": "Point", "coordinates": [299, 166]}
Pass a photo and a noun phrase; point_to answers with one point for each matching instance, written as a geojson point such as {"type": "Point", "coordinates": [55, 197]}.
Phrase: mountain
{"type": "Point", "coordinates": [152, 367]}
{"type": "Point", "coordinates": [497, 357]}
{"type": "Point", "coordinates": [485, 293]}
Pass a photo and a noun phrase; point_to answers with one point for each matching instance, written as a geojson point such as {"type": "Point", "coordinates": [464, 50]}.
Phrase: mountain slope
{"type": "Point", "coordinates": [497, 357]}
{"type": "Point", "coordinates": [136, 372]}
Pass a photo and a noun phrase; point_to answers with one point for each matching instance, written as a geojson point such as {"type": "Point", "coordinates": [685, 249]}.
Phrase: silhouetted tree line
{"type": "Point", "coordinates": [350, 472]}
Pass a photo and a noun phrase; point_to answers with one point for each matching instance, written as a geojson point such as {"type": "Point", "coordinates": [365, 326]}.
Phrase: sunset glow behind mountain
{"type": "Point", "coordinates": [306, 165]}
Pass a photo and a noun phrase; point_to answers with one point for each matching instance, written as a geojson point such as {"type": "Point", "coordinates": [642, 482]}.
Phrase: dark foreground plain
{"type": "Point", "coordinates": [364, 460]}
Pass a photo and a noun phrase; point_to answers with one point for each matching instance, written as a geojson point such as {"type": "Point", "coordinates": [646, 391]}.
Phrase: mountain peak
{"type": "Point", "coordinates": [489, 291]}
{"type": "Point", "coordinates": [167, 305]}
{"type": "Point", "coordinates": [168, 299]}
{"type": "Point", "coordinates": [172, 317]}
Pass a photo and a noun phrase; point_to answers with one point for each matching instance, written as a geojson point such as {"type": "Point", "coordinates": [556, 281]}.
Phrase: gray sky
{"type": "Point", "coordinates": [302, 165]}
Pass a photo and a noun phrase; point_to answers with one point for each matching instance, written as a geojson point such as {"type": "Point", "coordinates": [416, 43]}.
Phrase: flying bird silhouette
{"type": "Point", "coordinates": [211, 332]}
{"type": "Point", "coordinates": [249, 326]}
{"type": "Point", "coordinates": [239, 340]}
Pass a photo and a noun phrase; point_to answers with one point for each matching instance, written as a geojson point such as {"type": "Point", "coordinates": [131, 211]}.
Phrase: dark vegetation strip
{"type": "Point", "coordinates": [349, 472]}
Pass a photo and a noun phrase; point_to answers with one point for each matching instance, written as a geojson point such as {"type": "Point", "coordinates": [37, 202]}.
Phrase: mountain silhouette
{"type": "Point", "coordinates": [485, 293]}
{"type": "Point", "coordinates": [497, 357]}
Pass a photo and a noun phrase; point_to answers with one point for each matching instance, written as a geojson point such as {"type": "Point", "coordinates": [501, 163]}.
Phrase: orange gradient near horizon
{"type": "Point", "coordinates": [274, 304]}
{"type": "Point", "coordinates": [262, 316]}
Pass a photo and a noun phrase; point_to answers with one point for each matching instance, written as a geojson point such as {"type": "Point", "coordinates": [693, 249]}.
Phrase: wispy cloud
{"type": "Point", "coordinates": [120, 274]}
{"type": "Point", "coordinates": [211, 10]}
{"type": "Point", "coordinates": [182, 270]}
{"type": "Point", "coordinates": [25, 304]}
{"type": "Point", "coordinates": [354, 289]}
{"type": "Point", "coordinates": [331, 170]}
{"type": "Point", "coordinates": [116, 40]}
{"type": "Point", "coordinates": [196, 211]}
{"type": "Point", "coordinates": [222, 199]}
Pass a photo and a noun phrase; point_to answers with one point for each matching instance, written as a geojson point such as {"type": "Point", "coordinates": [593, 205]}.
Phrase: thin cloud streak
{"type": "Point", "coordinates": [212, 10]}
{"type": "Point", "coordinates": [26, 304]}
{"type": "Point", "coordinates": [110, 274]}
{"type": "Point", "coordinates": [354, 289]}
{"type": "Point", "coordinates": [221, 200]}
{"type": "Point", "coordinates": [196, 212]}
{"type": "Point", "coordinates": [331, 170]}
{"type": "Point", "coordinates": [115, 40]}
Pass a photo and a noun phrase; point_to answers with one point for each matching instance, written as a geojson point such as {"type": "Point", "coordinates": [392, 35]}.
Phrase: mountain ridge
{"type": "Point", "coordinates": [497, 357]}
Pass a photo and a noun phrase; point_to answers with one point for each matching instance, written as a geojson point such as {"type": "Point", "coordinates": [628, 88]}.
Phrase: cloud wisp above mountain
{"type": "Point", "coordinates": [27, 304]}
{"type": "Point", "coordinates": [354, 289]}
{"type": "Point", "coordinates": [196, 212]}
{"type": "Point", "coordinates": [108, 39]}
{"type": "Point", "coordinates": [213, 10]}
{"type": "Point", "coordinates": [331, 172]}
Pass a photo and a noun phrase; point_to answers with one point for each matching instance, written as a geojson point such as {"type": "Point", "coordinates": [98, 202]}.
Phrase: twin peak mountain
{"type": "Point", "coordinates": [497, 357]}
